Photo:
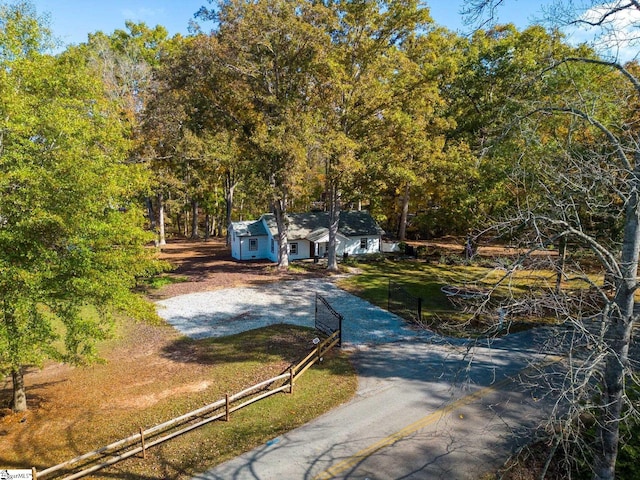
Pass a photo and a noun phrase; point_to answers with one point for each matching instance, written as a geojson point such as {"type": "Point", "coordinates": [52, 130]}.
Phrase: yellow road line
{"type": "Point", "coordinates": [348, 463]}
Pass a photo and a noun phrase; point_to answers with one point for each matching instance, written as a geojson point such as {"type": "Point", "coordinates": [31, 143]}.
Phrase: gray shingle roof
{"type": "Point", "coordinates": [252, 228]}
{"type": "Point", "coordinates": [301, 225]}
{"type": "Point", "coordinates": [358, 223]}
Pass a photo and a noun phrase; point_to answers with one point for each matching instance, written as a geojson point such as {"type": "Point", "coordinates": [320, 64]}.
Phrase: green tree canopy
{"type": "Point", "coordinates": [268, 58]}
{"type": "Point", "coordinates": [70, 234]}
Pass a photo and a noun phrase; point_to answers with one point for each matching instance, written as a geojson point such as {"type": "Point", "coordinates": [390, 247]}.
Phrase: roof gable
{"type": "Point", "coordinates": [252, 228]}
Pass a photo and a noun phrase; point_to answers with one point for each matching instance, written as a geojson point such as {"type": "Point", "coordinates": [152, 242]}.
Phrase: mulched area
{"type": "Point", "coordinates": [208, 265]}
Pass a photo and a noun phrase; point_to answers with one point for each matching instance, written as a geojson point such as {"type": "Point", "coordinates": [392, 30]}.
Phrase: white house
{"type": "Point", "coordinates": [308, 236]}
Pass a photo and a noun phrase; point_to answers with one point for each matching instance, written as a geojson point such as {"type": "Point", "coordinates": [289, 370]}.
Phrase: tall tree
{"type": "Point", "coordinates": [191, 76]}
{"type": "Point", "coordinates": [125, 60]}
{"type": "Point", "coordinates": [367, 52]}
{"type": "Point", "coordinates": [70, 236]}
{"type": "Point", "coordinates": [497, 72]}
{"type": "Point", "coordinates": [412, 141]}
{"type": "Point", "coordinates": [590, 101]}
{"type": "Point", "coordinates": [269, 51]}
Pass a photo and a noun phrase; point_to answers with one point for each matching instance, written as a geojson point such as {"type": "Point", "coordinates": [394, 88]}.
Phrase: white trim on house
{"type": "Point", "coordinates": [308, 236]}
{"type": "Point", "coordinates": [249, 241]}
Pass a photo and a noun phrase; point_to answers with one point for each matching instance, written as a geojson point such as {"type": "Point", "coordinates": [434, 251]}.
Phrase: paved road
{"type": "Point", "coordinates": [422, 411]}
{"type": "Point", "coordinates": [426, 407]}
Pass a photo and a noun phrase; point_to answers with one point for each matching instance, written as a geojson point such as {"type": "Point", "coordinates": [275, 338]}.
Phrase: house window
{"type": "Point", "coordinates": [253, 244]}
{"type": "Point", "coordinates": [364, 243]}
{"type": "Point", "coordinates": [273, 248]}
{"type": "Point", "coordinates": [293, 248]}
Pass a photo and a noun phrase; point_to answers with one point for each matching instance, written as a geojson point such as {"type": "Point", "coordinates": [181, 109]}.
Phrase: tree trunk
{"type": "Point", "coordinates": [151, 214]}
{"type": "Point", "coordinates": [162, 240]}
{"type": "Point", "coordinates": [178, 222]}
{"type": "Point", "coordinates": [402, 228]}
{"type": "Point", "coordinates": [184, 217]}
{"type": "Point", "coordinates": [215, 226]}
{"type": "Point", "coordinates": [619, 338]}
{"type": "Point", "coordinates": [334, 220]}
{"type": "Point", "coordinates": [230, 187]}
{"type": "Point", "coordinates": [194, 220]}
{"type": "Point", "coordinates": [19, 401]}
{"type": "Point", "coordinates": [207, 226]}
{"type": "Point", "coordinates": [281, 220]}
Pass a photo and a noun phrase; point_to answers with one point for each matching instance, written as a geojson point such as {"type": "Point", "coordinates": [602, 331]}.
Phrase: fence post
{"type": "Point", "coordinates": [290, 380]}
{"type": "Point", "coordinates": [226, 415]}
{"type": "Point", "coordinates": [34, 473]}
{"type": "Point", "coordinates": [144, 450]}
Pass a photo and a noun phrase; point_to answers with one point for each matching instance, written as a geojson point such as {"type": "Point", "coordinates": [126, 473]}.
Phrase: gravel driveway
{"type": "Point", "coordinates": [224, 312]}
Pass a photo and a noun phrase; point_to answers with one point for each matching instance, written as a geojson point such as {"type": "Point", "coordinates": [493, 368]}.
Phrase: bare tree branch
{"type": "Point", "coordinates": [606, 15]}
{"type": "Point", "coordinates": [615, 142]}
{"type": "Point", "coordinates": [616, 65]}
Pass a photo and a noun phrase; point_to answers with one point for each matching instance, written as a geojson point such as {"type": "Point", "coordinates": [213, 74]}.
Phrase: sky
{"type": "Point", "coordinates": [72, 20]}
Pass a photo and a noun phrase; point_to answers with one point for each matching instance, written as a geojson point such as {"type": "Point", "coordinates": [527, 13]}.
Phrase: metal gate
{"type": "Point", "coordinates": [327, 320]}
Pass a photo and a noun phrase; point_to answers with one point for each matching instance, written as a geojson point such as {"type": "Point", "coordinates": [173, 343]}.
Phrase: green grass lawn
{"type": "Point", "coordinates": [247, 356]}
{"type": "Point", "coordinates": [425, 280]}
{"type": "Point", "coordinates": [151, 375]}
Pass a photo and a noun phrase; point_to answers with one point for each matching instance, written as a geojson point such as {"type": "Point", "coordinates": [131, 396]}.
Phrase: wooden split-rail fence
{"type": "Point", "coordinates": [140, 442]}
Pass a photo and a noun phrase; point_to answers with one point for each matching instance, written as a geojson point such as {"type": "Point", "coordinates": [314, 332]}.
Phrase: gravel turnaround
{"type": "Point", "coordinates": [228, 311]}
{"type": "Point", "coordinates": [416, 377]}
